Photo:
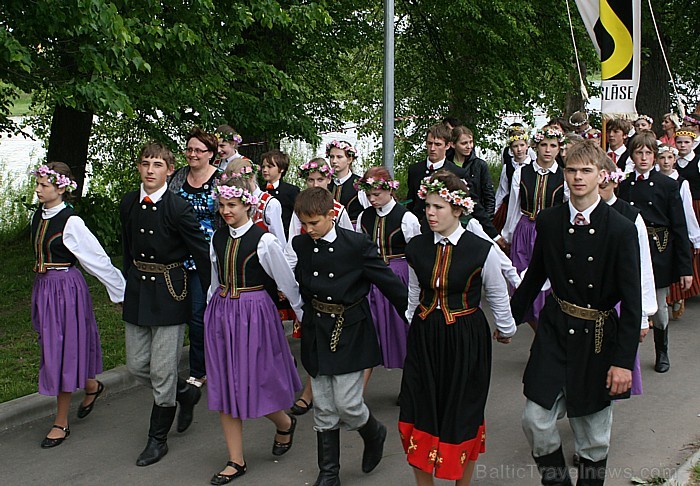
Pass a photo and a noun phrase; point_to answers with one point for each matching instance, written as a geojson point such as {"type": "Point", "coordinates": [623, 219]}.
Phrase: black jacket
{"type": "Point", "coordinates": [286, 194]}
{"type": "Point", "coordinates": [341, 272]}
{"type": "Point", "coordinates": [479, 177]}
{"type": "Point", "coordinates": [166, 232]}
{"type": "Point", "coordinates": [595, 265]}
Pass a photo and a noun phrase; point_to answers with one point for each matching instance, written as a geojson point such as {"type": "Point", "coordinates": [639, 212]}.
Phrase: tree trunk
{"type": "Point", "coordinates": [574, 100]}
{"type": "Point", "coordinates": [253, 148]}
{"type": "Point", "coordinates": [68, 141]}
{"type": "Point", "coordinates": [654, 93]}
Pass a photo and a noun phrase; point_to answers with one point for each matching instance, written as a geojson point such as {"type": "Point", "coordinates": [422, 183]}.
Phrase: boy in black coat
{"type": "Point", "coordinates": [335, 268]}
{"type": "Point", "coordinates": [275, 165]}
{"type": "Point", "coordinates": [159, 232]}
{"type": "Point", "coordinates": [583, 354]}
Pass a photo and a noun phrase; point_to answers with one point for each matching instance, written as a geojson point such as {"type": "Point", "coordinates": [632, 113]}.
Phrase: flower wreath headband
{"type": "Point", "coordinates": [667, 148]}
{"type": "Point", "coordinates": [578, 124]}
{"type": "Point", "coordinates": [229, 137]}
{"type": "Point", "coordinates": [549, 133]}
{"type": "Point", "coordinates": [369, 183]}
{"type": "Point", "coordinates": [345, 146]}
{"type": "Point", "coordinates": [691, 120]}
{"type": "Point", "coordinates": [616, 177]}
{"type": "Point", "coordinates": [458, 197]}
{"type": "Point", "coordinates": [59, 180]}
{"type": "Point", "coordinates": [230, 192]}
{"type": "Point", "coordinates": [306, 169]}
{"type": "Point", "coordinates": [648, 119]}
{"type": "Point", "coordinates": [246, 172]}
{"type": "Point", "coordinates": [686, 133]}
{"type": "Point", "coordinates": [516, 137]}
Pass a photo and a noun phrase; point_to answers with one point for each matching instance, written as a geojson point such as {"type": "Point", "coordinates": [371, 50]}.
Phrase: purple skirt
{"type": "Point", "coordinates": [392, 330]}
{"type": "Point", "coordinates": [62, 315]}
{"type": "Point", "coordinates": [521, 254]}
{"type": "Point", "coordinates": [250, 369]}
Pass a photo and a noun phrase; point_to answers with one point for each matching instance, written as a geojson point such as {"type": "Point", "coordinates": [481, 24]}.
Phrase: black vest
{"type": "Point", "coordinates": [346, 194]}
{"type": "Point", "coordinates": [47, 239]}
{"type": "Point", "coordinates": [538, 192]}
{"type": "Point", "coordinates": [690, 173]}
{"type": "Point", "coordinates": [386, 231]}
{"type": "Point", "coordinates": [457, 268]}
{"type": "Point", "coordinates": [238, 264]}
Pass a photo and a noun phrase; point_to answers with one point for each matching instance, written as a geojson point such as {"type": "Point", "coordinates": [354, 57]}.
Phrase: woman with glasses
{"type": "Point", "coordinates": [195, 183]}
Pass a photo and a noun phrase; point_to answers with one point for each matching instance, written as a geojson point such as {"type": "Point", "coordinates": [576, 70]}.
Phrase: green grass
{"type": "Point", "coordinates": [19, 351]}
{"type": "Point", "coordinates": [696, 474]}
{"type": "Point", "coordinates": [22, 105]}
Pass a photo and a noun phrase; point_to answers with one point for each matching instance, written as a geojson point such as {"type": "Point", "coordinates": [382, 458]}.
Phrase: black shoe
{"type": "Point", "coordinates": [219, 478]}
{"type": "Point", "coordinates": [591, 473]}
{"type": "Point", "coordinates": [662, 364]}
{"type": "Point", "coordinates": [279, 448]}
{"type": "Point", "coordinates": [373, 434]}
{"type": "Point", "coordinates": [85, 411]}
{"type": "Point", "coordinates": [553, 469]}
{"type": "Point", "coordinates": [328, 458]}
{"type": "Point", "coordinates": [187, 396]}
{"type": "Point", "coordinates": [301, 409]}
{"type": "Point", "coordinates": [157, 446]}
{"type": "Point", "coordinates": [49, 443]}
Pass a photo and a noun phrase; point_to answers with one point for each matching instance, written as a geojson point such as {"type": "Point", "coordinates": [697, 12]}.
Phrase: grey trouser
{"type": "Point", "coordinates": [661, 316]}
{"type": "Point", "coordinates": [338, 400]}
{"type": "Point", "coordinates": [591, 432]}
{"type": "Point", "coordinates": [152, 356]}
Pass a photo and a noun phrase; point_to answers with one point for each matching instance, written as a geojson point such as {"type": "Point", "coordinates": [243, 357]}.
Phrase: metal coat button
{"type": "Point", "coordinates": [591, 231]}
{"type": "Point", "coordinates": [143, 277]}
{"type": "Point", "coordinates": [330, 249]}
{"type": "Point", "coordinates": [590, 286]}
{"type": "Point", "coordinates": [571, 231]}
{"type": "Point", "coordinates": [590, 258]}
{"type": "Point", "coordinates": [568, 256]}
{"type": "Point", "coordinates": [329, 298]}
{"type": "Point", "coordinates": [143, 230]}
{"type": "Point", "coordinates": [315, 274]}
{"type": "Point", "coordinates": [571, 331]}
{"type": "Point", "coordinates": [153, 279]}
{"type": "Point", "coordinates": [571, 281]}
{"type": "Point", "coordinates": [315, 250]}
{"type": "Point", "coordinates": [331, 275]}
{"type": "Point", "coordinates": [150, 232]}
{"type": "Point", "coordinates": [143, 206]}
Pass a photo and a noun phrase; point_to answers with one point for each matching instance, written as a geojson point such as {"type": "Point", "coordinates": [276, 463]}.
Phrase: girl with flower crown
{"type": "Point", "coordinates": [341, 155]}
{"type": "Point", "coordinates": [516, 154]}
{"type": "Point", "coordinates": [391, 226]}
{"type": "Point", "coordinates": [448, 361]}
{"type": "Point", "coordinates": [62, 311]}
{"type": "Point", "coordinates": [250, 368]}
{"type": "Point", "coordinates": [534, 187]}
{"type": "Point", "coordinates": [666, 162]}
{"type": "Point", "coordinates": [268, 211]}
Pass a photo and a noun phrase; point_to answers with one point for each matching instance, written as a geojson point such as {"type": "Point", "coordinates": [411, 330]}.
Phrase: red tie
{"type": "Point", "coordinates": [613, 156]}
{"type": "Point", "coordinates": [640, 177]}
{"type": "Point", "coordinates": [580, 220]}
{"type": "Point", "coordinates": [431, 167]}
{"type": "Point", "coordinates": [270, 186]}
{"type": "Point", "coordinates": [147, 200]}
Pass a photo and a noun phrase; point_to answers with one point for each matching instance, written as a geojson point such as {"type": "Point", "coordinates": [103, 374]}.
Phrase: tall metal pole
{"type": "Point", "coordinates": [388, 106]}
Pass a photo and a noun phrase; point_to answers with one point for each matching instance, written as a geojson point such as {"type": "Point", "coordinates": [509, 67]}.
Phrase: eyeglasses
{"type": "Point", "coordinates": [197, 151]}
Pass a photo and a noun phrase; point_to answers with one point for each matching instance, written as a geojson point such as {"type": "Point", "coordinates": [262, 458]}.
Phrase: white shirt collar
{"type": "Point", "coordinates": [330, 236]}
{"type": "Point", "coordinates": [342, 181]}
{"type": "Point", "coordinates": [637, 174]}
{"type": "Point", "coordinates": [240, 231]}
{"type": "Point", "coordinates": [620, 150]}
{"type": "Point", "coordinates": [586, 212]}
{"type": "Point", "coordinates": [275, 184]}
{"type": "Point", "coordinates": [453, 238]}
{"type": "Point", "coordinates": [689, 157]}
{"type": "Point", "coordinates": [611, 201]}
{"type": "Point", "coordinates": [386, 209]}
{"type": "Point", "coordinates": [436, 165]}
{"type": "Point", "coordinates": [51, 212]}
{"type": "Point", "coordinates": [541, 170]}
{"type": "Point", "coordinates": [156, 196]}
{"type": "Point", "coordinates": [234, 156]}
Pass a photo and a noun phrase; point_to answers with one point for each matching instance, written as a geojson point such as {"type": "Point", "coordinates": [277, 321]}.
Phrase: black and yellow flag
{"type": "Point", "coordinates": [615, 29]}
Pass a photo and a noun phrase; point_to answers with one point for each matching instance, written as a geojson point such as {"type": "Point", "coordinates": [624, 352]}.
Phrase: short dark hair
{"type": "Point", "coordinates": [157, 150]}
{"type": "Point", "coordinates": [278, 158]}
{"type": "Point", "coordinates": [452, 121]}
{"type": "Point", "coordinates": [208, 139]}
{"type": "Point", "coordinates": [315, 201]}
{"type": "Point", "coordinates": [645, 138]}
{"type": "Point", "coordinates": [621, 124]}
{"type": "Point", "coordinates": [440, 130]}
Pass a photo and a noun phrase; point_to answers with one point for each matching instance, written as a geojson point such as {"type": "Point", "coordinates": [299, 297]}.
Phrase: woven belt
{"type": "Point", "coordinates": [334, 309]}
{"type": "Point", "coordinates": [654, 233]}
{"type": "Point", "coordinates": [42, 267]}
{"type": "Point", "coordinates": [587, 315]}
{"type": "Point", "coordinates": [164, 269]}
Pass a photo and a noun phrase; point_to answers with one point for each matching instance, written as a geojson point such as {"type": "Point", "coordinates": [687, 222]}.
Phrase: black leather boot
{"type": "Point", "coordinates": [553, 469]}
{"type": "Point", "coordinates": [373, 433]}
{"type": "Point", "coordinates": [328, 458]}
{"type": "Point", "coordinates": [187, 396]}
{"type": "Point", "coordinates": [661, 346]}
{"type": "Point", "coordinates": [591, 473]}
{"type": "Point", "coordinates": [157, 446]}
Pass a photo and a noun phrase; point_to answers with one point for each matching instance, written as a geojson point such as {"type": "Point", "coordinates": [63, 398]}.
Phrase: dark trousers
{"type": "Point", "coordinates": [196, 325]}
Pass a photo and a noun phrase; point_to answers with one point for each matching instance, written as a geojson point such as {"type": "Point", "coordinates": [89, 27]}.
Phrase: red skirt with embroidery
{"type": "Point", "coordinates": [445, 383]}
{"type": "Point", "coordinates": [499, 218]}
{"type": "Point", "coordinates": [675, 293]}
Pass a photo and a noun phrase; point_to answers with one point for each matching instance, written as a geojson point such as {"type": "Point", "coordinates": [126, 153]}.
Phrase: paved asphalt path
{"type": "Point", "coordinates": [652, 434]}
